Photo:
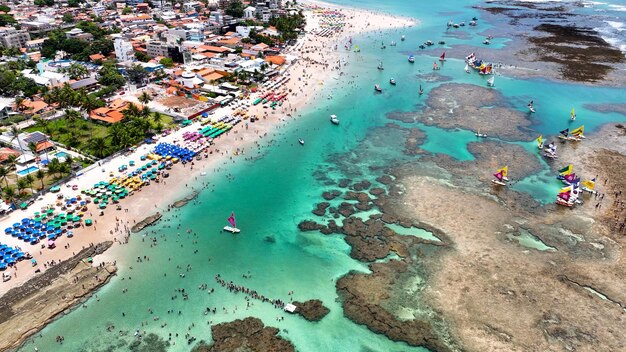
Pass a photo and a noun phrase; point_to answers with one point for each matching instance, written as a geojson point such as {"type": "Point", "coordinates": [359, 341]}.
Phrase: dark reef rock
{"type": "Point", "coordinates": [377, 191]}
{"type": "Point", "coordinates": [308, 225]}
{"type": "Point", "coordinates": [385, 179]}
{"type": "Point", "coordinates": [311, 310]}
{"type": "Point", "coordinates": [360, 186]}
{"type": "Point", "coordinates": [320, 210]}
{"type": "Point", "coordinates": [248, 335]}
{"type": "Point", "coordinates": [148, 221]}
{"type": "Point", "coordinates": [330, 195]}
{"type": "Point", "coordinates": [346, 209]}
{"type": "Point", "coordinates": [362, 303]}
{"type": "Point", "coordinates": [345, 182]}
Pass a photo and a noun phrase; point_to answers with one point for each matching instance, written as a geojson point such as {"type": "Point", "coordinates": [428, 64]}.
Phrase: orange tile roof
{"type": "Point", "coordinates": [212, 77]}
{"type": "Point", "coordinates": [96, 57]}
{"type": "Point", "coordinates": [34, 106]}
{"type": "Point", "coordinates": [215, 49]}
{"type": "Point", "coordinates": [43, 146]}
{"type": "Point", "coordinates": [107, 115]}
{"type": "Point", "coordinates": [276, 60]}
{"type": "Point", "coordinates": [5, 152]}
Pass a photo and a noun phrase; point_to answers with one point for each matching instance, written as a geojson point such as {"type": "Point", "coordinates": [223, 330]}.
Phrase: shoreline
{"type": "Point", "coordinates": [185, 183]}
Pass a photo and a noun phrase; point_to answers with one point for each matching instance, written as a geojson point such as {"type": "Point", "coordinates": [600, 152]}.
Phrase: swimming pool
{"type": "Point", "coordinates": [60, 155]}
{"type": "Point", "coordinates": [27, 170]}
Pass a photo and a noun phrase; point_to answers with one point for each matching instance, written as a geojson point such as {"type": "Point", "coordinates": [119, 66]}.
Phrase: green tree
{"type": "Point", "coordinates": [9, 194]}
{"type": "Point", "coordinates": [137, 73]}
{"type": "Point", "coordinates": [40, 175]}
{"type": "Point", "coordinates": [99, 146]}
{"type": "Point", "coordinates": [141, 56]}
{"type": "Point", "coordinates": [109, 76]}
{"type": "Point", "coordinates": [68, 18]}
{"type": "Point", "coordinates": [21, 185]}
{"type": "Point", "coordinates": [6, 19]}
{"type": "Point", "coordinates": [145, 98]}
{"type": "Point", "coordinates": [235, 9]}
{"type": "Point", "coordinates": [42, 3]}
{"type": "Point", "coordinates": [5, 8]}
{"type": "Point", "coordinates": [166, 62]}
{"type": "Point", "coordinates": [4, 172]}
{"type": "Point", "coordinates": [127, 10]}
{"type": "Point", "coordinates": [29, 181]}
{"type": "Point", "coordinates": [33, 148]}
{"type": "Point", "coordinates": [77, 71]}
{"type": "Point", "coordinates": [15, 134]}
{"type": "Point", "coordinates": [54, 166]}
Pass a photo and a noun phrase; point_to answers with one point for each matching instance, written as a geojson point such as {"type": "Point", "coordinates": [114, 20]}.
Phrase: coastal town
{"type": "Point", "coordinates": [103, 100]}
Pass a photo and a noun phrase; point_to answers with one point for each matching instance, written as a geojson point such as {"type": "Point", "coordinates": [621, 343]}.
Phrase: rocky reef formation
{"type": "Point", "coordinates": [466, 106]}
{"type": "Point", "coordinates": [67, 283]}
{"type": "Point", "coordinates": [249, 334]}
{"type": "Point", "coordinates": [148, 221]}
{"type": "Point", "coordinates": [311, 310]}
{"type": "Point", "coordinates": [182, 202]}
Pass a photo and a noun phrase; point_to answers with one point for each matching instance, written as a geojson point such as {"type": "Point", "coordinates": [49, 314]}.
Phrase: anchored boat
{"type": "Point", "coordinates": [392, 82]}
{"type": "Point", "coordinates": [500, 177]}
{"type": "Point", "coordinates": [334, 120]}
{"type": "Point", "coordinates": [233, 225]}
{"type": "Point", "coordinates": [377, 88]}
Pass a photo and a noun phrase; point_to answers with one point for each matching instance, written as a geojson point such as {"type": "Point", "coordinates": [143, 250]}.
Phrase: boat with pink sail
{"type": "Point", "coordinates": [233, 225]}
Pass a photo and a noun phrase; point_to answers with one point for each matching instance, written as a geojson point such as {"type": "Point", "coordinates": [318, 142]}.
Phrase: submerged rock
{"type": "Point", "coordinates": [346, 209]}
{"type": "Point", "coordinates": [146, 222]}
{"type": "Point", "coordinates": [320, 210]}
{"type": "Point", "coordinates": [360, 186]}
{"type": "Point", "coordinates": [308, 225]}
{"type": "Point", "coordinates": [344, 183]}
{"type": "Point", "coordinates": [330, 195]}
{"type": "Point", "coordinates": [311, 310]}
{"type": "Point", "coordinates": [249, 334]}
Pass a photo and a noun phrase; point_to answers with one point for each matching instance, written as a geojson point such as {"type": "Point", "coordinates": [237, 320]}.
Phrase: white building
{"type": "Point", "coordinates": [123, 50]}
{"type": "Point", "coordinates": [249, 12]}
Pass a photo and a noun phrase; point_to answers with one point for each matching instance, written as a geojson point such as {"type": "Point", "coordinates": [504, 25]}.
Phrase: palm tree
{"type": "Point", "coordinates": [40, 175]}
{"type": "Point", "coordinates": [33, 148]}
{"type": "Point", "coordinates": [68, 161]}
{"type": "Point", "coordinates": [64, 169]}
{"type": "Point", "coordinates": [53, 166]}
{"type": "Point", "coordinates": [157, 117]}
{"type": "Point", "coordinates": [146, 112]}
{"type": "Point", "coordinates": [71, 115]}
{"type": "Point", "coordinates": [11, 160]}
{"type": "Point", "coordinates": [89, 103]}
{"type": "Point", "coordinates": [145, 98]}
{"type": "Point", "coordinates": [19, 103]}
{"type": "Point", "coordinates": [99, 146]}
{"type": "Point", "coordinates": [30, 180]}
{"type": "Point", "coordinates": [131, 111]}
{"type": "Point", "coordinates": [15, 131]}
{"type": "Point", "coordinates": [9, 194]}
{"type": "Point", "coordinates": [4, 172]}
{"type": "Point", "coordinates": [21, 185]}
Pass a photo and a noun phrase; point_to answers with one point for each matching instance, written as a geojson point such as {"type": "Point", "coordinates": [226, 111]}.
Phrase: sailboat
{"type": "Point", "coordinates": [540, 142]}
{"type": "Point", "coordinates": [490, 81]}
{"type": "Point", "coordinates": [435, 66]}
{"type": "Point", "coordinates": [357, 49]}
{"type": "Point", "coordinates": [531, 107]}
{"type": "Point", "coordinates": [380, 66]}
{"type": "Point", "coordinates": [334, 120]}
{"type": "Point", "coordinates": [402, 38]}
{"type": "Point", "coordinates": [421, 91]}
{"type": "Point", "coordinates": [564, 134]}
{"type": "Point", "coordinates": [442, 58]}
{"type": "Point", "coordinates": [393, 43]}
{"type": "Point", "coordinates": [500, 175]}
{"type": "Point", "coordinates": [588, 186]}
{"type": "Point", "coordinates": [301, 141]}
{"type": "Point", "coordinates": [383, 46]}
{"type": "Point", "coordinates": [233, 225]}
{"type": "Point", "coordinates": [480, 135]}
{"type": "Point", "coordinates": [572, 115]}
{"type": "Point", "coordinates": [577, 134]}
{"type": "Point", "coordinates": [467, 69]}
{"type": "Point", "coordinates": [411, 58]}
{"type": "Point", "coordinates": [377, 88]}
{"type": "Point", "coordinates": [565, 171]}
{"type": "Point", "coordinates": [550, 151]}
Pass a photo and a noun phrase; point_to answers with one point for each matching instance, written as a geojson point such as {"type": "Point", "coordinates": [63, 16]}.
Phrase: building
{"type": "Point", "coordinates": [123, 50]}
{"type": "Point", "coordinates": [78, 33]}
{"type": "Point", "coordinates": [156, 48]}
{"type": "Point", "coordinates": [6, 107]}
{"type": "Point", "coordinates": [35, 44]}
{"type": "Point", "coordinates": [13, 38]}
{"type": "Point", "coordinates": [133, 3]}
{"type": "Point", "coordinates": [249, 12]}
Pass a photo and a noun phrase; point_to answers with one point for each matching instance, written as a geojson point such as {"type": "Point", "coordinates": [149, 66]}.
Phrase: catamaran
{"type": "Point", "coordinates": [588, 186]}
{"type": "Point", "coordinates": [383, 46]}
{"type": "Point", "coordinates": [421, 91]}
{"type": "Point", "coordinates": [301, 141]}
{"type": "Point", "coordinates": [411, 58]}
{"type": "Point", "coordinates": [233, 225]}
{"type": "Point", "coordinates": [572, 115]}
{"type": "Point", "coordinates": [467, 69]}
{"type": "Point", "coordinates": [480, 135]}
{"type": "Point", "coordinates": [565, 171]}
{"type": "Point", "coordinates": [577, 134]}
{"type": "Point", "coordinates": [501, 179]}
{"type": "Point", "coordinates": [377, 88]}
{"type": "Point", "coordinates": [490, 81]}
{"type": "Point", "coordinates": [531, 107]}
{"type": "Point", "coordinates": [392, 82]}
{"type": "Point", "coordinates": [357, 49]}
{"type": "Point", "coordinates": [380, 66]}
{"type": "Point", "coordinates": [393, 43]}
{"type": "Point", "coordinates": [435, 66]}
{"type": "Point", "coordinates": [550, 151]}
{"type": "Point", "coordinates": [540, 142]}
{"type": "Point", "coordinates": [402, 38]}
{"type": "Point", "coordinates": [442, 58]}
{"type": "Point", "coordinates": [334, 120]}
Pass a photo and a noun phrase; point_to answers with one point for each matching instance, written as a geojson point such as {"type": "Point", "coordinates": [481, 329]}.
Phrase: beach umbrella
{"type": "Point", "coordinates": [88, 222]}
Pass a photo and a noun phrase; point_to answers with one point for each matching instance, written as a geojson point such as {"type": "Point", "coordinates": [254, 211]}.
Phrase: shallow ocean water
{"type": "Point", "coordinates": [272, 194]}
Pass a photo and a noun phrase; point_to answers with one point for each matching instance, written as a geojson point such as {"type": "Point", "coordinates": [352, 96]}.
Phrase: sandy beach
{"type": "Point", "coordinates": [308, 74]}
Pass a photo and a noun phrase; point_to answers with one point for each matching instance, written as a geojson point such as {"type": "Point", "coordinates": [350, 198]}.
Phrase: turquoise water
{"type": "Point", "coordinates": [414, 231]}
{"type": "Point", "coordinates": [60, 155]}
{"type": "Point", "coordinates": [27, 170]}
{"type": "Point", "coordinates": [272, 194]}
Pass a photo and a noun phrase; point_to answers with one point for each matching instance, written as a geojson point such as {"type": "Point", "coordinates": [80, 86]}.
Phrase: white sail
{"type": "Point", "coordinates": [490, 81]}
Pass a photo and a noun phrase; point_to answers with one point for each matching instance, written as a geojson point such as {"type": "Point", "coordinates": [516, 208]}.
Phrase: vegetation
{"type": "Point", "coordinates": [68, 18]}
{"type": "Point", "coordinates": [76, 71]}
{"type": "Point", "coordinates": [109, 76]}
{"type": "Point", "coordinates": [6, 19]}
{"type": "Point", "coordinates": [287, 25]}
{"type": "Point", "coordinates": [42, 3]}
{"type": "Point", "coordinates": [12, 83]}
{"type": "Point", "coordinates": [141, 56]}
{"type": "Point", "coordinates": [167, 62]}
{"type": "Point", "coordinates": [78, 49]}
{"type": "Point", "coordinates": [235, 9]}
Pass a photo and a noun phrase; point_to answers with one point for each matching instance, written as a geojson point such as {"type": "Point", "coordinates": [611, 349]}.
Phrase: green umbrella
{"type": "Point", "coordinates": [23, 205]}
{"type": "Point", "coordinates": [88, 222]}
